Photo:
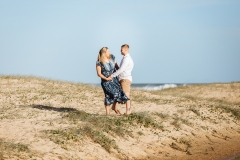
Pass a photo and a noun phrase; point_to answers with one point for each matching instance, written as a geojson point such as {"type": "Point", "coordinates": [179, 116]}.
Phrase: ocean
{"type": "Point", "coordinates": [153, 86]}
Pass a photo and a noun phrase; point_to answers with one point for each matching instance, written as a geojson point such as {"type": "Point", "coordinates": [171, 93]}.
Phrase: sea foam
{"type": "Point", "coordinates": [159, 87]}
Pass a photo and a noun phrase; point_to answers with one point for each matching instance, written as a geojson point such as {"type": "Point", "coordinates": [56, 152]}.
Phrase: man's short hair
{"type": "Point", "coordinates": [125, 45]}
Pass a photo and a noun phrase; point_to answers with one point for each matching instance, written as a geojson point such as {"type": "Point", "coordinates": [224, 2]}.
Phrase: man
{"type": "Point", "coordinates": [124, 74]}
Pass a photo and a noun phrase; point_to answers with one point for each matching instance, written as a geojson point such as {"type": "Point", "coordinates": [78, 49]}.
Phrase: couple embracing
{"type": "Point", "coordinates": [115, 80]}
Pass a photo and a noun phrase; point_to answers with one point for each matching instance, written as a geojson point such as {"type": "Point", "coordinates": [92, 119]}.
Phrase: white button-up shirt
{"type": "Point", "coordinates": [125, 69]}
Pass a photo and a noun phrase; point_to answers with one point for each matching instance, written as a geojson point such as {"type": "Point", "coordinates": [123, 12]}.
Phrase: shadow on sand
{"type": "Point", "coordinates": [49, 108]}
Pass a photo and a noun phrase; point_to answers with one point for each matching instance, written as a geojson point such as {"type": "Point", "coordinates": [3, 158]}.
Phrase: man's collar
{"type": "Point", "coordinates": [126, 55]}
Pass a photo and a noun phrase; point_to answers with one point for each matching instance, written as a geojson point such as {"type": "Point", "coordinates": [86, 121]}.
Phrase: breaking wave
{"type": "Point", "coordinates": [157, 87]}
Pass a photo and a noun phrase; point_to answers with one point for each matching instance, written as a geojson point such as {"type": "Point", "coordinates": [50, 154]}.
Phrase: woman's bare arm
{"type": "Point", "coordinates": [98, 68]}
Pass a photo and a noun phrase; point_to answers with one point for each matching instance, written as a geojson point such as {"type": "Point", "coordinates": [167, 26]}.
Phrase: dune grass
{"type": "Point", "coordinates": [65, 138]}
{"type": "Point", "coordinates": [234, 111]}
{"type": "Point", "coordinates": [182, 145]}
{"type": "Point", "coordinates": [236, 158]}
{"type": "Point", "coordinates": [101, 128]}
{"type": "Point", "coordinates": [194, 110]}
{"type": "Point", "coordinates": [80, 123]}
{"type": "Point", "coordinates": [5, 146]}
{"type": "Point", "coordinates": [14, 149]}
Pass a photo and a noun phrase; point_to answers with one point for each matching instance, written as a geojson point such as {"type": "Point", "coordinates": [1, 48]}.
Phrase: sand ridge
{"type": "Point", "coordinates": [196, 122]}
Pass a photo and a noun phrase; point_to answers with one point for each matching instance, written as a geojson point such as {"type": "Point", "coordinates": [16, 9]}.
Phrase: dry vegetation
{"type": "Point", "coordinates": [44, 119]}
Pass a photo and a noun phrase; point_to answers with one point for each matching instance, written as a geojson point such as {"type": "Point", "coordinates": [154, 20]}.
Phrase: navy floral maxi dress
{"type": "Point", "coordinates": [112, 89]}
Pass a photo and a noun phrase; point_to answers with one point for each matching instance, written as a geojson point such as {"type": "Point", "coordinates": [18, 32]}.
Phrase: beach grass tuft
{"type": "Point", "coordinates": [236, 158]}
{"type": "Point", "coordinates": [99, 127]}
{"type": "Point", "coordinates": [194, 110]}
{"type": "Point", "coordinates": [234, 111]}
{"type": "Point", "coordinates": [10, 148]}
{"type": "Point", "coordinates": [176, 147]}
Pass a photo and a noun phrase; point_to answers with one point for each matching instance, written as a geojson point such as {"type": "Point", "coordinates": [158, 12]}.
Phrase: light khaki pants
{"type": "Point", "coordinates": [126, 84]}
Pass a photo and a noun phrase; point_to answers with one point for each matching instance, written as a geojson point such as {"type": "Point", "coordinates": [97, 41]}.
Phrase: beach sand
{"type": "Point", "coordinates": [47, 119]}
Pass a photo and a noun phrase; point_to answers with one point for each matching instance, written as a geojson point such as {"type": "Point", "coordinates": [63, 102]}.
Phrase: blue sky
{"type": "Point", "coordinates": [171, 41]}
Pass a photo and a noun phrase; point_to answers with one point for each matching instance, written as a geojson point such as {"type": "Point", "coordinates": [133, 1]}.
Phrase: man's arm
{"type": "Point", "coordinates": [122, 68]}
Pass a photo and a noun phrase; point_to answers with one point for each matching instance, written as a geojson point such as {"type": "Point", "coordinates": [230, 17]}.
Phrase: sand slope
{"type": "Point", "coordinates": [47, 119]}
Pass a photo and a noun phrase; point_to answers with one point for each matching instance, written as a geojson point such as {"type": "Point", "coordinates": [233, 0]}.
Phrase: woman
{"type": "Point", "coordinates": [106, 65]}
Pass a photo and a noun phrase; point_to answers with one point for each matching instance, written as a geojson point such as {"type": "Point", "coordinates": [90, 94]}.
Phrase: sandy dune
{"type": "Point", "coordinates": [47, 119]}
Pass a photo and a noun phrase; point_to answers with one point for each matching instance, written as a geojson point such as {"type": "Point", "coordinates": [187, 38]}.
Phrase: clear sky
{"type": "Point", "coordinates": [171, 41]}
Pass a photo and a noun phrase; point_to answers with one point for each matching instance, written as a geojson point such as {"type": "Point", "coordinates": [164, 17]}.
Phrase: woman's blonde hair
{"type": "Point", "coordinates": [101, 56]}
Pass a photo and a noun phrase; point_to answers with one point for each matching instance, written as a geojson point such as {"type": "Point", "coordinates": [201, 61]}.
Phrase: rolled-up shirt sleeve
{"type": "Point", "coordinates": [122, 67]}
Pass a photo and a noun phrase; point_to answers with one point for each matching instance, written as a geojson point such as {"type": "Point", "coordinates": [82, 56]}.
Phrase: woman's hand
{"type": "Point", "coordinates": [109, 78]}
{"type": "Point", "coordinates": [102, 76]}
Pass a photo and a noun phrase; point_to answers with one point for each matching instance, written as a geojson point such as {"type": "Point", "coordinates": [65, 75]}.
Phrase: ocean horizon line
{"type": "Point", "coordinates": [155, 86]}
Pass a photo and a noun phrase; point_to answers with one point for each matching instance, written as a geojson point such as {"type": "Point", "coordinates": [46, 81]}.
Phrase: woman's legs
{"type": "Point", "coordinates": [114, 106]}
{"type": "Point", "coordinates": [115, 109]}
{"type": "Point", "coordinates": [107, 110]}
{"type": "Point", "coordinates": [128, 107]}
